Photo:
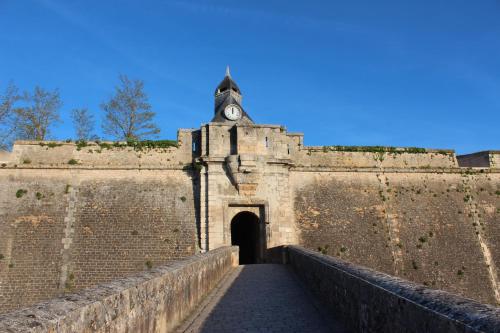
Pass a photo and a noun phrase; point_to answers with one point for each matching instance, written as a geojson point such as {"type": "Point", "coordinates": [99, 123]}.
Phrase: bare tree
{"type": "Point", "coordinates": [83, 122]}
{"type": "Point", "coordinates": [7, 103]}
{"type": "Point", "coordinates": [127, 114]}
{"type": "Point", "coordinates": [7, 100]}
{"type": "Point", "coordinates": [41, 111]}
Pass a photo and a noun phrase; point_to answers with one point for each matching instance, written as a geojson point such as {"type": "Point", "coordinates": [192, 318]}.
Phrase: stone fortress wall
{"type": "Point", "coordinates": [412, 213]}
{"type": "Point", "coordinates": [98, 211]}
{"type": "Point", "coordinates": [64, 227]}
{"type": "Point", "coordinates": [440, 229]}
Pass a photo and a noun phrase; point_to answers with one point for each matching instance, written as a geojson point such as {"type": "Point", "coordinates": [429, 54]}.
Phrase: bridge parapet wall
{"type": "Point", "coordinates": [153, 301]}
{"type": "Point", "coordinates": [369, 301]}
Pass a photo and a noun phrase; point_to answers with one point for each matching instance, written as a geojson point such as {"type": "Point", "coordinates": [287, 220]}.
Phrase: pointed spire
{"type": "Point", "coordinates": [227, 84]}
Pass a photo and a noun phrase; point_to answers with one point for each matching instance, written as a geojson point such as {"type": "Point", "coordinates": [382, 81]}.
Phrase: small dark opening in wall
{"type": "Point", "coordinates": [288, 149]}
{"type": "Point", "coordinates": [267, 143]}
{"type": "Point", "coordinates": [233, 140]}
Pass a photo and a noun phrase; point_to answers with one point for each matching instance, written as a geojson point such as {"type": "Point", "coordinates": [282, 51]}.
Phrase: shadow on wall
{"type": "Point", "coordinates": [475, 160]}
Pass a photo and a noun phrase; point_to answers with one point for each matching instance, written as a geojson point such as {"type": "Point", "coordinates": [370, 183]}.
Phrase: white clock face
{"type": "Point", "coordinates": [232, 112]}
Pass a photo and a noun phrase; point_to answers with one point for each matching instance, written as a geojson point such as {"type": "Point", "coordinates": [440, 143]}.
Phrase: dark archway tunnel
{"type": "Point", "coordinates": [245, 234]}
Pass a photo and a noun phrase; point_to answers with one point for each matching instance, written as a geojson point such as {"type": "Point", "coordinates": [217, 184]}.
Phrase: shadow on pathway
{"type": "Point", "coordinates": [262, 298]}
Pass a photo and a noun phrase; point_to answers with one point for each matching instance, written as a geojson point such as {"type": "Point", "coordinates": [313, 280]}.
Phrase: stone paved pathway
{"type": "Point", "coordinates": [259, 298]}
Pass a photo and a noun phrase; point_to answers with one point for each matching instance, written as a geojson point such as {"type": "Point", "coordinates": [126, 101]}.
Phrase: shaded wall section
{"type": "Point", "coordinates": [480, 159]}
{"type": "Point", "coordinates": [72, 229]}
{"type": "Point", "coordinates": [438, 229]}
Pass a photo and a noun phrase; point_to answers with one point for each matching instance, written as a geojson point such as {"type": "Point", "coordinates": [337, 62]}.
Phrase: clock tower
{"type": "Point", "coordinates": [243, 178]}
{"type": "Point", "coordinates": [228, 107]}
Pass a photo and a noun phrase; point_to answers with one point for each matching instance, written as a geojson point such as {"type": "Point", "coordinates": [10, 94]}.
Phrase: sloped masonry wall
{"type": "Point", "coordinates": [62, 230]}
{"type": "Point", "coordinates": [153, 301]}
{"type": "Point", "coordinates": [370, 301]}
{"type": "Point", "coordinates": [440, 229]}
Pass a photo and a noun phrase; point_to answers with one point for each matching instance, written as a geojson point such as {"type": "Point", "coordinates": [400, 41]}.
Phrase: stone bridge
{"type": "Point", "coordinates": [301, 291]}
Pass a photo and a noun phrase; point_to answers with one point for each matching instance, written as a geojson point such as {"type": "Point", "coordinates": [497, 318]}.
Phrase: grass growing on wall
{"type": "Point", "coordinates": [21, 192]}
{"type": "Point", "coordinates": [382, 149]}
{"type": "Point", "coordinates": [50, 144]}
{"type": "Point", "coordinates": [140, 145]}
{"type": "Point", "coordinates": [137, 145]}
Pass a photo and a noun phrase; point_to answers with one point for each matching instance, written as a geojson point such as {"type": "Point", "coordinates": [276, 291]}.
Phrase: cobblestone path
{"type": "Point", "coordinates": [259, 298]}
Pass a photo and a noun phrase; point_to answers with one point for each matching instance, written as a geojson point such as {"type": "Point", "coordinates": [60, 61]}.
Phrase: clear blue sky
{"type": "Point", "coordinates": [399, 73]}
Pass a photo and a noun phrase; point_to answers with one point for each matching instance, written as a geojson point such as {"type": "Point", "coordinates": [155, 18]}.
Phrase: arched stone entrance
{"type": "Point", "coordinates": [246, 233]}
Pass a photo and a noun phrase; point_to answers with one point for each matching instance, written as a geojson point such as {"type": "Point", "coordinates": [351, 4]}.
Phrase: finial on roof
{"type": "Point", "coordinates": [228, 74]}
